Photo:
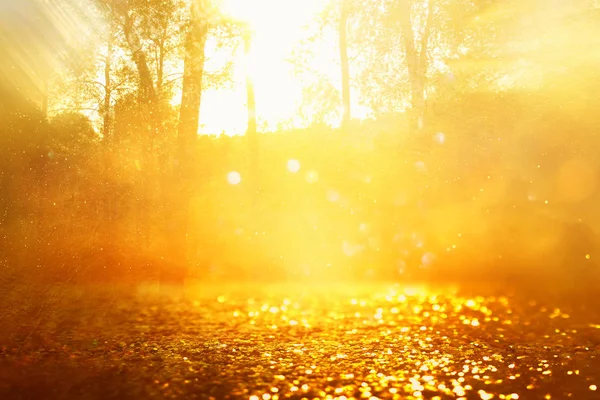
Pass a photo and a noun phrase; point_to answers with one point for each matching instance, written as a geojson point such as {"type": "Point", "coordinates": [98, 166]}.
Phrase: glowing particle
{"type": "Point", "coordinates": [333, 196]}
{"type": "Point", "coordinates": [234, 178]}
{"type": "Point", "coordinates": [350, 249]}
{"type": "Point", "coordinates": [266, 396]}
{"type": "Point", "coordinates": [593, 388]}
{"type": "Point", "coordinates": [293, 166]}
{"type": "Point", "coordinates": [440, 137]}
{"type": "Point", "coordinates": [587, 256]}
{"type": "Point", "coordinates": [427, 259]}
{"type": "Point", "coordinates": [221, 299]}
{"type": "Point", "coordinates": [312, 177]}
{"type": "Point", "coordinates": [254, 398]}
{"type": "Point", "coordinates": [512, 396]}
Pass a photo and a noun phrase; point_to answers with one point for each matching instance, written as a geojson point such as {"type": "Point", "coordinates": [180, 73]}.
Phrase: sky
{"type": "Point", "coordinates": [278, 26]}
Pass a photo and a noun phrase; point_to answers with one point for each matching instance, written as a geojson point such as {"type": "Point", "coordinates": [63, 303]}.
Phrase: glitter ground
{"type": "Point", "coordinates": [263, 343]}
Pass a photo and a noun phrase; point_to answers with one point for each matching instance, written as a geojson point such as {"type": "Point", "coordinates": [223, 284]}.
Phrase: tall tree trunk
{"type": "Point", "coordinates": [106, 133]}
{"type": "Point", "coordinates": [250, 97]}
{"type": "Point", "coordinates": [147, 91]}
{"type": "Point", "coordinates": [251, 133]}
{"type": "Point", "coordinates": [416, 60]}
{"type": "Point", "coordinates": [193, 75]}
{"type": "Point", "coordinates": [178, 197]}
{"type": "Point", "coordinates": [423, 59]}
{"type": "Point", "coordinates": [150, 113]}
{"type": "Point", "coordinates": [107, 122]}
{"type": "Point", "coordinates": [160, 69]}
{"type": "Point", "coordinates": [346, 111]}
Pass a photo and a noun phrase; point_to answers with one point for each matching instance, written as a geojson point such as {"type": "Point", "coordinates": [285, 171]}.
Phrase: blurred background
{"type": "Point", "coordinates": [323, 140]}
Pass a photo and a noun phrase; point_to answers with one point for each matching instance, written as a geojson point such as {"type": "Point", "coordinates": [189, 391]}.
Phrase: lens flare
{"type": "Point", "coordinates": [234, 178]}
{"type": "Point", "coordinates": [293, 166]}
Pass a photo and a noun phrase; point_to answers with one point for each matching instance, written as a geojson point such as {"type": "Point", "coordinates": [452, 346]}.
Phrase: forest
{"type": "Point", "coordinates": [423, 139]}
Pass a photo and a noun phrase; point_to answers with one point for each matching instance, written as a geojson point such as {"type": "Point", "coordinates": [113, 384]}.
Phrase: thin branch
{"type": "Point", "coordinates": [95, 83]}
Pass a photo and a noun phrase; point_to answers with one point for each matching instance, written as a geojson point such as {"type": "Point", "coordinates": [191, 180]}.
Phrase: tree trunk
{"type": "Point", "coordinates": [251, 133]}
{"type": "Point", "coordinates": [189, 114]}
{"type": "Point", "coordinates": [106, 123]}
{"type": "Point", "coordinates": [107, 139]}
{"type": "Point", "coordinates": [147, 91]}
{"type": "Point", "coordinates": [346, 111]}
{"type": "Point", "coordinates": [416, 60]}
{"type": "Point", "coordinates": [179, 194]}
{"type": "Point", "coordinates": [150, 113]}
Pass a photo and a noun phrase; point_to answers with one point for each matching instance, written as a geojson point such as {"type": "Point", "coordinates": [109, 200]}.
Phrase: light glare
{"type": "Point", "coordinates": [234, 178]}
{"type": "Point", "coordinates": [293, 166]}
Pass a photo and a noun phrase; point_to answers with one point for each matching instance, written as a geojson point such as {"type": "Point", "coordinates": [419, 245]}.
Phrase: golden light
{"type": "Point", "coordinates": [243, 10]}
{"type": "Point", "coordinates": [440, 138]}
{"type": "Point", "coordinates": [277, 27]}
{"type": "Point", "coordinates": [312, 177]}
{"type": "Point", "coordinates": [576, 179]}
{"type": "Point", "coordinates": [333, 195]}
{"type": "Point", "coordinates": [234, 178]}
{"type": "Point", "coordinates": [293, 166]}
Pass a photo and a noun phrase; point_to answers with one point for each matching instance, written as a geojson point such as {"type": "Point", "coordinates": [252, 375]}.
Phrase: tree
{"type": "Point", "coordinates": [416, 57]}
{"type": "Point", "coordinates": [193, 75]}
{"type": "Point", "coordinates": [344, 63]}
{"type": "Point", "coordinates": [250, 98]}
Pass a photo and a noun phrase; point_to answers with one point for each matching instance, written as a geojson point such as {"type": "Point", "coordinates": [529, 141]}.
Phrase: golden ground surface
{"type": "Point", "coordinates": [299, 341]}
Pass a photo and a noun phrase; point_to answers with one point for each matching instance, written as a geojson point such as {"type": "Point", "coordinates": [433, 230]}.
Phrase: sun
{"type": "Point", "coordinates": [276, 27]}
{"type": "Point", "coordinates": [266, 14]}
